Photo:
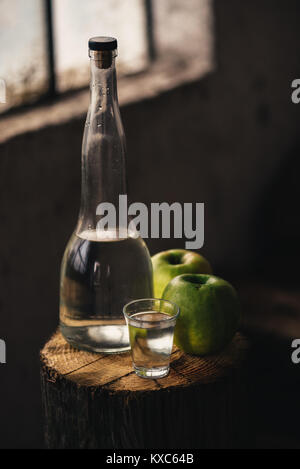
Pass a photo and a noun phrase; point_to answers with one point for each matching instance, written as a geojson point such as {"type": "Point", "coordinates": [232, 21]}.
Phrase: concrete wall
{"type": "Point", "coordinates": [230, 140]}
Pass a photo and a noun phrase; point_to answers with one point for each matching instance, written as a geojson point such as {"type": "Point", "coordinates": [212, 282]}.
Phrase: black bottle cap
{"type": "Point", "coordinates": [103, 43]}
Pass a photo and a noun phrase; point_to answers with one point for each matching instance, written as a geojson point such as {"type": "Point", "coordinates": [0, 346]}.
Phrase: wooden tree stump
{"type": "Point", "coordinates": [97, 401]}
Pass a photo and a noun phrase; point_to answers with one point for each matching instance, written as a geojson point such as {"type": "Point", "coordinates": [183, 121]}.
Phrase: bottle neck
{"type": "Point", "coordinates": [103, 147]}
{"type": "Point", "coordinates": [103, 87]}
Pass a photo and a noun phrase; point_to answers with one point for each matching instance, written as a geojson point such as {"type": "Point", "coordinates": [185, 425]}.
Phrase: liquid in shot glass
{"type": "Point", "coordinates": [151, 324]}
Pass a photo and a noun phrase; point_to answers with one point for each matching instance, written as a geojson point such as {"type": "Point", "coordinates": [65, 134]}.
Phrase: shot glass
{"type": "Point", "coordinates": [151, 324]}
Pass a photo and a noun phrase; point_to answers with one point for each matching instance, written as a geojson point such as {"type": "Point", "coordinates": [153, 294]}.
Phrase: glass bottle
{"type": "Point", "coordinates": [102, 269]}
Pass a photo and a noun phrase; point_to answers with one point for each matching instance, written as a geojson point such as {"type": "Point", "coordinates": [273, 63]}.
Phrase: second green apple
{"type": "Point", "coordinates": [169, 264]}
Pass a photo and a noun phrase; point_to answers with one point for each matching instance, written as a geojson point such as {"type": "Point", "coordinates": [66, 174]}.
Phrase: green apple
{"type": "Point", "coordinates": [169, 264]}
{"type": "Point", "coordinates": [209, 312]}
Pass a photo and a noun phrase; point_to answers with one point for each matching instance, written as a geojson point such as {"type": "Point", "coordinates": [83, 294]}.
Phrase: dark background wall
{"type": "Point", "coordinates": [230, 140]}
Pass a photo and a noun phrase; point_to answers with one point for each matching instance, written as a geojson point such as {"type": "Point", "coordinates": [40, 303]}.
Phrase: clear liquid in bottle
{"type": "Point", "coordinates": [99, 276]}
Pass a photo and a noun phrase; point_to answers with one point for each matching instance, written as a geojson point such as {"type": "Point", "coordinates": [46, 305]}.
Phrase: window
{"type": "Point", "coordinates": [44, 42]}
{"type": "Point", "coordinates": [23, 64]}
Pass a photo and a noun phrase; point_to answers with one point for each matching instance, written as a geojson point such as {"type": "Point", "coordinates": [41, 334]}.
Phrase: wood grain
{"type": "Point", "coordinates": [97, 401]}
{"type": "Point", "coordinates": [115, 371]}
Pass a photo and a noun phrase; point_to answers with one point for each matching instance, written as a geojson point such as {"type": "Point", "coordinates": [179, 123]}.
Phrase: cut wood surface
{"type": "Point", "coordinates": [115, 371]}
{"type": "Point", "coordinates": [97, 401]}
